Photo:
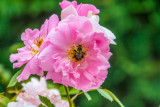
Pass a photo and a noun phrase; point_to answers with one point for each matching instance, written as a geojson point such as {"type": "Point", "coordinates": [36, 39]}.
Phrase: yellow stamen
{"type": "Point", "coordinates": [38, 42]}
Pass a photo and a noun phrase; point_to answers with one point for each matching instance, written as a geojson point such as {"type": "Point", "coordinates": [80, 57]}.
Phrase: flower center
{"type": "Point", "coordinates": [36, 45]}
{"type": "Point", "coordinates": [39, 42]}
{"type": "Point", "coordinates": [77, 53]}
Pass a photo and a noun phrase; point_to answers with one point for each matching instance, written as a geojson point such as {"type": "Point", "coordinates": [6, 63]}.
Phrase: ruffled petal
{"type": "Point", "coordinates": [83, 9]}
{"type": "Point", "coordinates": [22, 57]}
{"type": "Point", "coordinates": [49, 25]}
{"type": "Point", "coordinates": [45, 58]}
{"type": "Point", "coordinates": [32, 67]}
{"type": "Point", "coordinates": [109, 35]}
{"type": "Point", "coordinates": [29, 36]}
{"type": "Point", "coordinates": [70, 10]}
{"type": "Point", "coordinates": [65, 4]}
{"type": "Point", "coordinates": [64, 38]}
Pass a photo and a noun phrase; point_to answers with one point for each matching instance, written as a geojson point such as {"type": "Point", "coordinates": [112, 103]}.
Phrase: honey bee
{"type": "Point", "coordinates": [78, 53]}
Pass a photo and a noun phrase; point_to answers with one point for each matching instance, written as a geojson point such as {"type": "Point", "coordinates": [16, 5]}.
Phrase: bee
{"type": "Point", "coordinates": [78, 53]}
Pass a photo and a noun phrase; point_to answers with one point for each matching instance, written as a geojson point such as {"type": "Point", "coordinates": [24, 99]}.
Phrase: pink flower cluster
{"type": "Point", "coordinates": [75, 51]}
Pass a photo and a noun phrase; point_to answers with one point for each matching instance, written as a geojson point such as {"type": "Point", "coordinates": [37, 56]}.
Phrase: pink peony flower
{"type": "Point", "coordinates": [32, 90]}
{"type": "Point", "coordinates": [34, 43]}
{"type": "Point", "coordinates": [78, 53]}
{"type": "Point", "coordinates": [87, 10]}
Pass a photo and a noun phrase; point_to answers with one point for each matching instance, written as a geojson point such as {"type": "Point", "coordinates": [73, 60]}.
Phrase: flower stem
{"type": "Point", "coordinates": [69, 99]}
{"type": "Point", "coordinates": [74, 97]}
{"type": "Point", "coordinates": [81, 92]}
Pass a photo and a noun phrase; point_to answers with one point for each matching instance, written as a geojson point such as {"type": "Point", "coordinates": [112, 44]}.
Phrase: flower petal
{"type": "Point", "coordinates": [83, 9]}
{"type": "Point", "coordinates": [32, 67]}
{"type": "Point", "coordinates": [65, 4]}
{"type": "Point", "coordinates": [70, 10]}
{"type": "Point", "coordinates": [29, 36]}
{"type": "Point", "coordinates": [49, 25]}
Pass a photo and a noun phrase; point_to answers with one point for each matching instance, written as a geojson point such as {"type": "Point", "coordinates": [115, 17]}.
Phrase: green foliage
{"type": "Point", "coordinates": [4, 74]}
{"type": "Point", "coordinates": [72, 91]}
{"type": "Point", "coordinates": [14, 80]}
{"type": "Point", "coordinates": [41, 105]}
{"type": "Point", "coordinates": [105, 94]}
{"type": "Point", "coordinates": [62, 91]}
{"type": "Point", "coordinates": [46, 101]}
{"type": "Point", "coordinates": [114, 97]}
{"type": "Point", "coordinates": [88, 96]}
{"type": "Point", "coordinates": [3, 100]}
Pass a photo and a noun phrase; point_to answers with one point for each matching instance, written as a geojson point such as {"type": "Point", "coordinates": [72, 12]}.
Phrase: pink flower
{"type": "Point", "coordinates": [87, 10]}
{"type": "Point", "coordinates": [78, 54]}
{"type": "Point", "coordinates": [32, 90]}
{"type": "Point", "coordinates": [34, 43]}
{"type": "Point", "coordinates": [82, 9]}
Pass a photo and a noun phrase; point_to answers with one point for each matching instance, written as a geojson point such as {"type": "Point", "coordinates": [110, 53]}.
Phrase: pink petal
{"type": "Point", "coordinates": [49, 25]}
{"type": "Point", "coordinates": [65, 4]}
{"type": "Point", "coordinates": [83, 83]}
{"type": "Point", "coordinates": [101, 41]}
{"type": "Point", "coordinates": [56, 77]}
{"type": "Point", "coordinates": [29, 36]}
{"type": "Point", "coordinates": [83, 9]}
{"type": "Point", "coordinates": [22, 57]}
{"type": "Point", "coordinates": [45, 58]}
{"type": "Point", "coordinates": [70, 10]}
{"type": "Point", "coordinates": [64, 38]}
{"type": "Point", "coordinates": [32, 67]}
{"type": "Point", "coordinates": [85, 27]}
{"type": "Point", "coordinates": [19, 64]}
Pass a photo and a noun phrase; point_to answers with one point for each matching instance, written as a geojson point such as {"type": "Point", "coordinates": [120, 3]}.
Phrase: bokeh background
{"type": "Point", "coordinates": [134, 76]}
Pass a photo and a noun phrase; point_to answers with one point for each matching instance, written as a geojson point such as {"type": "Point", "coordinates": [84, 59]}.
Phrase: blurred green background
{"type": "Point", "coordinates": [135, 73]}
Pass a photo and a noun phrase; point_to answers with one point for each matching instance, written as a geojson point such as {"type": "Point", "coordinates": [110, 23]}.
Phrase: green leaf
{"type": "Point", "coordinates": [41, 105]}
{"type": "Point", "coordinates": [13, 98]}
{"type": "Point", "coordinates": [72, 90]}
{"type": "Point", "coordinates": [3, 100]}
{"type": "Point", "coordinates": [114, 97]}
{"type": "Point", "coordinates": [105, 94]}
{"type": "Point", "coordinates": [46, 101]}
{"type": "Point", "coordinates": [88, 96]}
{"type": "Point", "coordinates": [14, 80]}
